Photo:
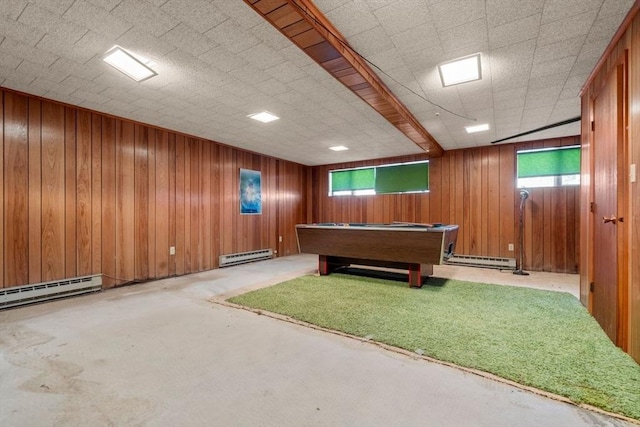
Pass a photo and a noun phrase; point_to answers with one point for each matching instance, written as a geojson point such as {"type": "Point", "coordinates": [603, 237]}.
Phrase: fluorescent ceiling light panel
{"type": "Point", "coordinates": [338, 148]}
{"type": "Point", "coordinates": [263, 117]}
{"type": "Point", "coordinates": [127, 64]}
{"type": "Point", "coordinates": [477, 128]}
{"type": "Point", "coordinates": [461, 70]}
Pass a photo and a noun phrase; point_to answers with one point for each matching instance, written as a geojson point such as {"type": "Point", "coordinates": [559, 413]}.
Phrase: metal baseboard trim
{"type": "Point", "coordinates": [244, 257]}
{"type": "Point", "coordinates": [39, 292]}
{"type": "Point", "coordinates": [482, 261]}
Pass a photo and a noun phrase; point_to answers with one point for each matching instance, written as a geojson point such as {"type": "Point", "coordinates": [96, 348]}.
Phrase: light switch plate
{"type": "Point", "coordinates": [632, 173]}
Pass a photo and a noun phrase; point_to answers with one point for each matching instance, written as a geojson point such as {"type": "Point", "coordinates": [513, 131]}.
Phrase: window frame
{"type": "Point", "coordinates": [372, 191]}
{"type": "Point", "coordinates": [546, 180]}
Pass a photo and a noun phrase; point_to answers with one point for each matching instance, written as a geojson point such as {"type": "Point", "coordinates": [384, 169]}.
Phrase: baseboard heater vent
{"type": "Point", "coordinates": [242, 257]}
{"type": "Point", "coordinates": [19, 295]}
{"type": "Point", "coordinates": [482, 261]}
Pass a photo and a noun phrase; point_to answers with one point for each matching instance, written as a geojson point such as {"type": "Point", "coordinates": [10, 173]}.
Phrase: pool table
{"type": "Point", "coordinates": [409, 246]}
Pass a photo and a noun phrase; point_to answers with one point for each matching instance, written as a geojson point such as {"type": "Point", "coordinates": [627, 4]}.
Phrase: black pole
{"type": "Point", "coordinates": [564, 122]}
{"type": "Point", "coordinates": [523, 196]}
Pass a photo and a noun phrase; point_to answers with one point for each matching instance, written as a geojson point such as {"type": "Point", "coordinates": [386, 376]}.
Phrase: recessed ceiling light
{"type": "Point", "coordinates": [460, 70]}
{"type": "Point", "coordinates": [263, 117]}
{"type": "Point", "coordinates": [338, 148]}
{"type": "Point", "coordinates": [476, 128]}
{"type": "Point", "coordinates": [127, 64]}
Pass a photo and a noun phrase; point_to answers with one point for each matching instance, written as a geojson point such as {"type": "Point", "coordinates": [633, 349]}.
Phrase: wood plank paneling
{"type": "Point", "coordinates": [216, 210]}
{"type": "Point", "coordinates": [194, 213]}
{"type": "Point", "coordinates": [634, 193]}
{"type": "Point", "coordinates": [111, 196]}
{"type": "Point", "coordinates": [2, 135]}
{"type": "Point", "coordinates": [206, 226]}
{"type": "Point", "coordinates": [172, 202]}
{"type": "Point", "coordinates": [96, 194]}
{"type": "Point", "coordinates": [162, 204]}
{"type": "Point", "coordinates": [141, 200]}
{"type": "Point", "coordinates": [125, 191]}
{"type": "Point", "coordinates": [16, 191]}
{"type": "Point", "coordinates": [507, 167]}
{"type": "Point", "coordinates": [180, 203]}
{"type": "Point", "coordinates": [151, 158]}
{"type": "Point", "coordinates": [83, 193]}
{"type": "Point", "coordinates": [53, 192]}
{"type": "Point", "coordinates": [35, 191]}
{"type": "Point", "coordinates": [108, 168]}
{"type": "Point", "coordinates": [70, 196]}
{"type": "Point", "coordinates": [476, 189]}
{"type": "Point", "coordinates": [493, 214]}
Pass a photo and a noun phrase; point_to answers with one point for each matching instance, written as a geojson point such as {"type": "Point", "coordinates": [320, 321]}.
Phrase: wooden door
{"type": "Point", "coordinates": [607, 140]}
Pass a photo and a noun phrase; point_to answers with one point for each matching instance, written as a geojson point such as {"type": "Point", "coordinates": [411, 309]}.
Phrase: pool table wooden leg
{"type": "Point", "coordinates": [418, 273]}
{"type": "Point", "coordinates": [327, 264]}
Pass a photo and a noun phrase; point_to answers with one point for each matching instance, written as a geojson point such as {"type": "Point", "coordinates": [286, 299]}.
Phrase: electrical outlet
{"type": "Point", "coordinates": [280, 239]}
{"type": "Point", "coordinates": [511, 247]}
{"type": "Point", "coordinates": [172, 250]}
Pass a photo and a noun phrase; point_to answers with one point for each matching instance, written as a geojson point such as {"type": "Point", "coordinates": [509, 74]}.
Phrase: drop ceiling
{"type": "Point", "coordinates": [219, 61]}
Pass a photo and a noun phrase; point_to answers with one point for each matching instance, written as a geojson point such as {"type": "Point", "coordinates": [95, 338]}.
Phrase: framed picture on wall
{"type": "Point", "coordinates": [250, 192]}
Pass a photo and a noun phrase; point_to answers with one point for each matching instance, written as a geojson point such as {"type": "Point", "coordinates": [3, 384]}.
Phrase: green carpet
{"type": "Point", "coordinates": [537, 338]}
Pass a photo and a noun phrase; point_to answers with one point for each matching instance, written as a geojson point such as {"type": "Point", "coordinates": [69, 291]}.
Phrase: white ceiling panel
{"type": "Point", "coordinates": [218, 61]}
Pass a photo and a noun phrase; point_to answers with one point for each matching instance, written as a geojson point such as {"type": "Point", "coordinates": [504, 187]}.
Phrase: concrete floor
{"type": "Point", "coordinates": [160, 354]}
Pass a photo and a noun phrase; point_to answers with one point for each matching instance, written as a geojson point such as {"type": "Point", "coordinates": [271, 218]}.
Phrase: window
{"type": "Point", "coordinates": [549, 167]}
{"type": "Point", "coordinates": [410, 177]}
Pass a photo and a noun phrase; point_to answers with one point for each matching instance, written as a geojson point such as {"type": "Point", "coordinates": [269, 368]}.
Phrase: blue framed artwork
{"type": "Point", "coordinates": [250, 192]}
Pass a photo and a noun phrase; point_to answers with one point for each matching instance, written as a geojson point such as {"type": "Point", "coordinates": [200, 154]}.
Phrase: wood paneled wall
{"type": "Point", "coordinates": [627, 40]}
{"type": "Point", "coordinates": [476, 189]}
{"type": "Point", "coordinates": [84, 193]}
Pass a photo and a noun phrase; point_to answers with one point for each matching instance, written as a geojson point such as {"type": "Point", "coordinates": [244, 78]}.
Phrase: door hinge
{"type": "Point", "coordinates": [593, 126]}
{"type": "Point", "coordinates": [592, 285]}
{"type": "Point", "coordinates": [592, 207]}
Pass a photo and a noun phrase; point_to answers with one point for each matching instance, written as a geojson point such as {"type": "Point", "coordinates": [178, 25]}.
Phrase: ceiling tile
{"type": "Point", "coordinates": [561, 49]}
{"type": "Point", "coordinates": [558, 66]}
{"type": "Point", "coordinates": [514, 32]}
{"type": "Point", "coordinates": [59, 28]}
{"type": "Point", "coordinates": [20, 32]}
{"type": "Point", "coordinates": [11, 10]}
{"type": "Point", "coordinates": [37, 56]}
{"type": "Point", "coordinates": [605, 27]}
{"type": "Point", "coordinates": [262, 56]}
{"type": "Point", "coordinates": [471, 36]}
{"type": "Point", "coordinates": [454, 13]}
{"type": "Point", "coordinates": [96, 19]}
{"type": "Point", "coordinates": [372, 41]}
{"type": "Point", "coordinates": [557, 10]}
{"type": "Point", "coordinates": [352, 18]}
{"type": "Point", "coordinates": [501, 12]}
{"type": "Point", "coordinates": [146, 19]}
{"type": "Point", "coordinates": [144, 44]}
{"type": "Point", "coordinates": [399, 16]}
{"type": "Point", "coordinates": [202, 15]}
{"type": "Point", "coordinates": [405, 41]}
{"type": "Point", "coordinates": [566, 28]}
{"type": "Point", "coordinates": [189, 40]}
{"type": "Point", "coordinates": [226, 34]}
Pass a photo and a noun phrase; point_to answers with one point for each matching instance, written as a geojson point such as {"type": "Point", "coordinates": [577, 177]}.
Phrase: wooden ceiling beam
{"type": "Point", "coordinates": [303, 23]}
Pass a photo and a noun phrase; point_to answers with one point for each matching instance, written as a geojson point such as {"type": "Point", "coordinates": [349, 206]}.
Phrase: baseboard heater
{"type": "Point", "coordinates": [482, 261]}
{"type": "Point", "coordinates": [242, 257]}
{"type": "Point", "coordinates": [19, 295]}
